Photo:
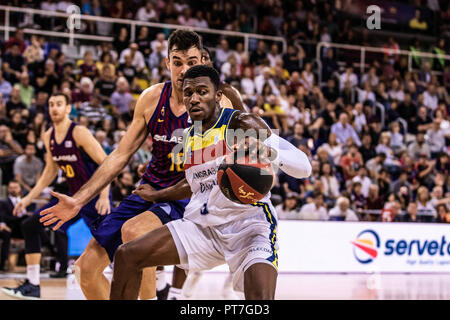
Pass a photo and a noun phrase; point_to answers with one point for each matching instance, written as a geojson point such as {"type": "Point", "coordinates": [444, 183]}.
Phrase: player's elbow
{"type": "Point", "coordinates": [306, 169]}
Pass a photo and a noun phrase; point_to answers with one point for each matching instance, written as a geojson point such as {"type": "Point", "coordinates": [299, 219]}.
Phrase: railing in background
{"type": "Point", "coordinates": [361, 53]}
{"type": "Point", "coordinates": [7, 28]}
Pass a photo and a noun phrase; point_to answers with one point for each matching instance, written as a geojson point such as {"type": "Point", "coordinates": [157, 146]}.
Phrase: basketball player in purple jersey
{"type": "Point", "coordinates": [159, 111]}
{"type": "Point", "coordinates": [73, 149]}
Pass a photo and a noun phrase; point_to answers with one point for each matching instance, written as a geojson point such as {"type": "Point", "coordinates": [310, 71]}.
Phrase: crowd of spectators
{"type": "Point", "coordinates": [367, 165]}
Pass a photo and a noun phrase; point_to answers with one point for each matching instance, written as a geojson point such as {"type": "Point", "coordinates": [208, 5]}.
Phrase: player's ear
{"type": "Point", "coordinates": [168, 64]}
{"type": "Point", "coordinates": [218, 95]}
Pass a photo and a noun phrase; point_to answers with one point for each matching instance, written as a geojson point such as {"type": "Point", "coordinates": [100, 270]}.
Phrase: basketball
{"type": "Point", "coordinates": [244, 181]}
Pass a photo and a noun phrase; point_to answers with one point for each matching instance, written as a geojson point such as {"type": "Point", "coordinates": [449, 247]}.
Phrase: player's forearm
{"type": "Point", "coordinates": [181, 190]}
{"type": "Point", "coordinates": [102, 177]}
{"type": "Point", "coordinates": [290, 159]}
{"type": "Point", "coordinates": [105, 192]}
{"type": "Point", "coordinates": [44, 181]}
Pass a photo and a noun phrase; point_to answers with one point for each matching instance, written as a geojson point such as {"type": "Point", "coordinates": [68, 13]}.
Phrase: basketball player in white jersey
{"type": "Point", "coordinates": [214, 230]}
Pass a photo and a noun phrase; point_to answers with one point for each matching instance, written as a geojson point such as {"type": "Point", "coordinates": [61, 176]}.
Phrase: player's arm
{"type": "Point", "coordinates": [286, 156]}
{"type": "Point", "coordinates": [234, 96]}
{"type": "Point", "coordinates": [48, 175]}
{"type": "Point", "coordinates": [129, 144]}
{"type": "Point", "coordinates": [68, 207]}
{"type": "Point", "coordinates": [85, 140]}
{"type": "Point", "coordinates": [181, 190]}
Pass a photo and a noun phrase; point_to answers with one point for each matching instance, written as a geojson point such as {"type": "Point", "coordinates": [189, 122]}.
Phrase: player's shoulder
{"type": "Point", "coordinates": [47, 134]}
{"type": "Point", "coordinates": [81, 135]}
{"type": "Point", "coordinates": [152, 92]}
{"type": "Point", "coordinates": [247, 120]}
{"type": "Point", "coordinates": [149, 98]}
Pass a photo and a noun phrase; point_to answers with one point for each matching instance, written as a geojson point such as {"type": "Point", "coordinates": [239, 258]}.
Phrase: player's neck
{"type": "Point", "coordinates": [177, 94]}
{"type": "Point", "coordinates": [208, 123]}
{"type": "Point", "coordinates": [177, 104]}
{"type": "Point", "coordinates": [62, 126]}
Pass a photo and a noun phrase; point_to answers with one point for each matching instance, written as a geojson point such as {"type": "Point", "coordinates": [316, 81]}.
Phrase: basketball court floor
{"type": "Point", "coordinates": [290, 286]}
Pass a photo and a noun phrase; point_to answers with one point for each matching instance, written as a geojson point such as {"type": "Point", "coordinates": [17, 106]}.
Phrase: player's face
{"type": "Point", "coordinates": [206, 59]}
{"type": "Point", "coordinates": [200, 98]}
{"type": "Point", "coordinates": [58, 108]}
{"type": "Point", "coordinates": [179, 62]}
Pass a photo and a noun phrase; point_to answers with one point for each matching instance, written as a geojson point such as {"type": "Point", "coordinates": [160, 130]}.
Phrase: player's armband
{"type": "Point", "coordinates": [290, 159]}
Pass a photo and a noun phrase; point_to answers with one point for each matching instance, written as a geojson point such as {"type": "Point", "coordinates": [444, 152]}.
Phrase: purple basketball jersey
{"type": "Point", "coordinates": [77, 166]}
{"type": "Point", "coordinates": [165, 129]}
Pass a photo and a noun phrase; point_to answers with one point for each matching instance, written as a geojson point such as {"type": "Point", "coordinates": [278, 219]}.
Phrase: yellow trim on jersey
{"type": "Point", "coordinates": [213, 126]}
{"type": "Point", "coordinates": [273, 228]}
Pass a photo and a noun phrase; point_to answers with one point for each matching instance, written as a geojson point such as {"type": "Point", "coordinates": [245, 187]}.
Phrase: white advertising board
{"type": "Point", "coordinates": [310, 246]}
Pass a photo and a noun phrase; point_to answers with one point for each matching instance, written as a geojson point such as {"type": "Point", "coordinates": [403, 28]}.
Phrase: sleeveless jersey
{"type": "Point", "coordinates": [166, 130]}
{"type": "Point", "coordinates": [76, 164]}
{"type": "Point", "coordinates": [204, 154]}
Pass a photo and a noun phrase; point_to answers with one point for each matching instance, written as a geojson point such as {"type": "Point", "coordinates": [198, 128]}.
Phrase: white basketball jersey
{"type": "Point", "coordinates": [204, 154]}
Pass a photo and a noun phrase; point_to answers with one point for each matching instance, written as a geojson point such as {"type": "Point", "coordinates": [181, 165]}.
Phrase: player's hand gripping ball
{"type": "Point", "coordinates": [246, 175]}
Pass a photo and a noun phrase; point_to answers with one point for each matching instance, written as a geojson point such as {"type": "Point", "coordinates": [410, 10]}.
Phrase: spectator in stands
{"type": "Point", "coordinates": [185, 18]}
{"type": "Point", "coordinates": [334, 148]}
{"type": "Point", "coordinates": [402, 181]}
{"type": "Point", "coordinates": [342, 211]}
{"type": "Point", "coordinates": [363, 178]}
{"type": "Point", "coordinates": [121, 97]}
{"type": "Point", "coordinates": [101, 137]}
{"type": "Point", "coordinates": [359, 118]}
{"type": "Point", "coordinates": [147, 13]}
{"type": "Point", "coordinates": [343, 130]}
{"type": "Point", "coordinates": [88, 67]}
{"type": "Point", "coordinates": [425, 209]}
{"type": "Point", "coordinates": [436, 139]}
{"type": "Point", "coordinates": [27, 168]}
{"type": "Point", "coordinates": [430, 98]}
{"type": "Point", "coordinates": [396, 92]}
{"type": "Point", "coordinates": [293, 58]}
{"type": "Point", "coordinates": [384, 146]}
{"type": "Point", "coordinates": [26, 90]}
{"type": "Point", "coordinates": [10, 225]}
{"type": "Point", "coordinates": [375, 165]}
{"type": "Point", "coordinates": [160, 41]}
{"type": "Point", "coordinates": [348, 78]}
{"type": "Point", "coordinates": [266, 78]}
{"type": "Point", "coordinates": [18, 40]}
{"type": "Point", "coordinates": [329, 181]}
{"type": "Point", "coordinates": [411, 213]}
{"type": "Point", "coordinates": [93, 110]}
{"type": "Point", "coordinates": [358, 200]}
{"type": "Point", "coordinates": [248, 88]}
{"type": "Point", "coordinates": [15, 101]}
{"type": "Point", "coordinates": [106, 84]}
{"type": "Point", "coordinates": [419, 147]}
{"type": "Point", "coordinates": [443, 214]}
{"type": "Point", "coordinates": [84, 93]}
{"type": "Point", "coordinates": [122, 41]}
{"type": "Point", "coordinates": [314, 210]}
{"type": "Point", "coordinates": [273, 55]}
{"type": "Point", "coordinates": [288, 209]}
{"type": "Point", "coordinates": [199, 20]}
{"type": "Point", "coordinates": [222, 53]}
{"type": "Point", "coordinates": [417, 23]}
{"type": "Point", "coordinates": [297, 139]}
{"type": "Point", "coordinates": [13, 64]}
{"type": "Point", "coordinates": [137, 58]}
{"type": "Point", "coordinates": [307, 77]}
{"type": "Point", "coordinates": [374, 204]}
{"type": "Point", "coordinates": [5, 87]}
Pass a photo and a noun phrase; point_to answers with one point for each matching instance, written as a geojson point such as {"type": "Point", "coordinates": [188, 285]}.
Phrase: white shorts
{"type": "Point", "coordinates": [240, 244]}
